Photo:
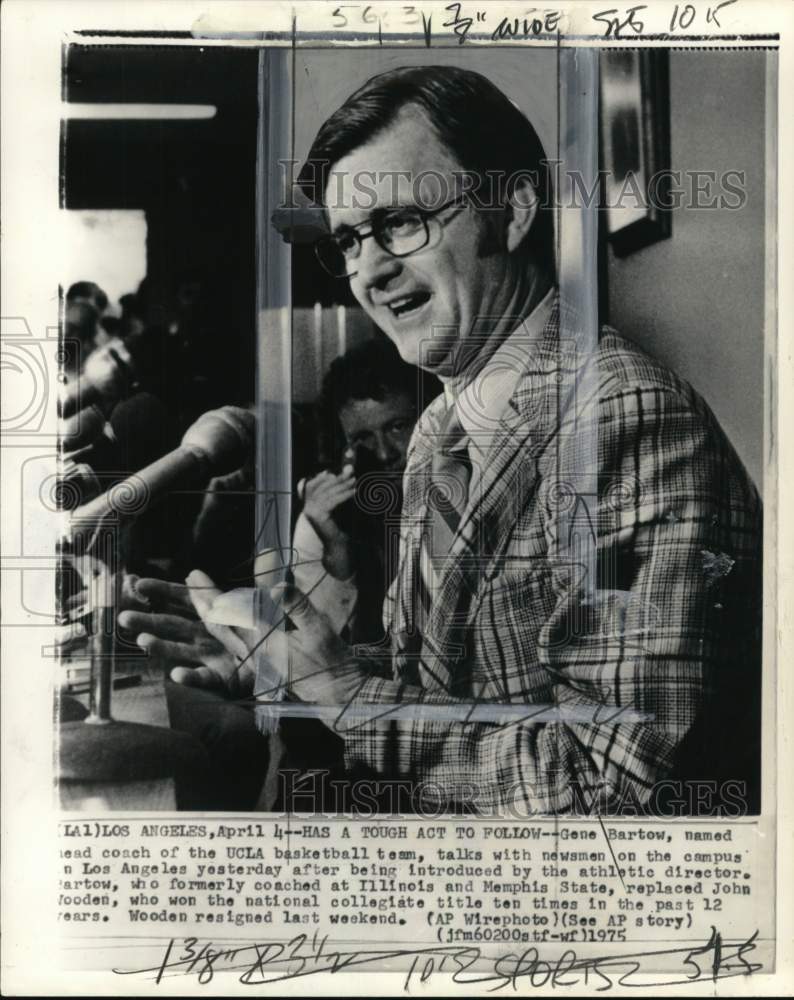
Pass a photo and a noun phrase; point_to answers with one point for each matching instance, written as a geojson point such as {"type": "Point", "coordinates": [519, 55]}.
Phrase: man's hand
{"type": "Point", "coordinates": [318, 665]}
{"type": "Point", "coordinates": [321, 496]}
{"type": "Point", "coordinates": [200, 655]}
{"type": "Point", "coordinates": [322, 667]}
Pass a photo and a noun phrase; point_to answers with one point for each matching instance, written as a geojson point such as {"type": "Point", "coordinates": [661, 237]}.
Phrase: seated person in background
{"type": "Point", "coordinates": [366, 413]}
{"type": "Point", "coordinates": [90, 292]}
{"type": "Point", "coordinates": [368, 408]}
{"type": "Point", "coordinates": [85, 304]}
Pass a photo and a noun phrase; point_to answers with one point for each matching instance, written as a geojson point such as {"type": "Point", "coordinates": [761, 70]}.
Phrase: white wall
{"type": "Point", "coordinates": [696, 301]}
{"type": "Point", "coordinates": [107, 246]}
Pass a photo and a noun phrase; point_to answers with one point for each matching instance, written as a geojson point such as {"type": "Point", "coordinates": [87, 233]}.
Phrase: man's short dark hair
{"type": "Point", "coordinates": [489, 136]}
{"type": "Point", "coordinates": [370, 370]}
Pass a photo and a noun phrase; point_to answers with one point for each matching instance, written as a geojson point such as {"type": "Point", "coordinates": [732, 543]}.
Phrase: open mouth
{"type": "Point", "coordinates": [408, 304]}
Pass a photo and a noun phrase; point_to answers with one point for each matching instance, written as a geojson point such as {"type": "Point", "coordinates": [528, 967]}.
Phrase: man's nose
{"type": "Point", "coordinates": [384, 449]}
{"type": "Point", "coordinates": [376, 266]}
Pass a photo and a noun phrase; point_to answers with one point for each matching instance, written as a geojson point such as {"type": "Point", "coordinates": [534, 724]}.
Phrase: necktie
{"type": "Point", "coordinates": [449, 487]}
{"type": "Point", "coordinates": [447, 496]}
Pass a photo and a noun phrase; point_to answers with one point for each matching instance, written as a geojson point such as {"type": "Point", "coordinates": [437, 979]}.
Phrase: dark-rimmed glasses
{"type": "Point", "coordinates": [398, 231]}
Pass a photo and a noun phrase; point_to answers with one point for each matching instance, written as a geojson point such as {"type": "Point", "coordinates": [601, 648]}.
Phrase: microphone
{"type": "Point", "coordinates": [219, 442]}
{"type": "Point", "coordinates": [81, 429]}
{"type": "Point", "coordinates": [142, 429]}
{"type": "Point", "coordinates": [98, 453]}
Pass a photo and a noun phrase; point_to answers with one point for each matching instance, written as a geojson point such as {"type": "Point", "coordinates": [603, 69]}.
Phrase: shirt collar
{"type": "Point", "coordinates": [482, 402]}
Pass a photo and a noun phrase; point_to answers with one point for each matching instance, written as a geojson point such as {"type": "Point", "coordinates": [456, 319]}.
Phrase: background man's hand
{"type": "Point", "coordinates": [321, 497]}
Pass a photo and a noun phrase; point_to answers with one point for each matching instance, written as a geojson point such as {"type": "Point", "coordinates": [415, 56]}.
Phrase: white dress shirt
{"type": "Point", "coordinates": [334, 598]}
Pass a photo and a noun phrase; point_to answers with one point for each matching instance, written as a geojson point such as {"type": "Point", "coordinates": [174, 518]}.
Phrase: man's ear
{"type": "Point", "coordinates": [522, 209]}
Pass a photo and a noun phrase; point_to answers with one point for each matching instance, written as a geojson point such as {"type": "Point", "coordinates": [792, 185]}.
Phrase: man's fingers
{"type": "Point", "coordinates": [327, 480]}
{"type": "Point", "coordinates": [201, 677]}
{"type": "Point", "coordinates": [276, 649]}
{"type": "Point", "coordinates": [292, 600]}
{"type": "Point", "coordinates": [347, 475]}
{"type": "Point", "coordinates": [224, 614]}
{"type": "Point", "coordinates": [164, 595]}
{"type": "Point", "coordinates": [298, 606]}
{"type": "Point", "coordinates": [175, 652]}
{"type": "Point", "coordinates": [202, 590]}
{"type": "Point", "coordinates": [343, 486]}
{"type": "Point", "coordinates": [162, 626]}
{"type": "Point", "coordinates": [318, 480]}
{"type": "Point", "coordinates": [341, 494]}
{"type": "Point", "coordinates": [230, 640]}
{"type": "Point", "coordinates": [236, 608]}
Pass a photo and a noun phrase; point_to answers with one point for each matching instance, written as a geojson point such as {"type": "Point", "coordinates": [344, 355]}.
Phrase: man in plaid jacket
{"type": "Point", "coordinates": [648, 674]}
{"type": "Point", "coordinates": [574, 619]}
{"type": "Point", "coordinates": [584, 625]}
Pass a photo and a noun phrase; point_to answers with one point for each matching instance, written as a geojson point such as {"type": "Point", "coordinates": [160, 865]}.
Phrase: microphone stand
{"type": "Point", "coordinates": [104, 763]}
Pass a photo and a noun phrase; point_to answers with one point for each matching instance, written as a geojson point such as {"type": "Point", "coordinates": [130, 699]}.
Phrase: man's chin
{"type": "Point", "coordinates": [408, 343]}
{"type": "Point", "coordinates": [419, 348]}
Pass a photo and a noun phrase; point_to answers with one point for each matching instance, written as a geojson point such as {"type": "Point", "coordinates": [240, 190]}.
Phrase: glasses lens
{"type": "Point", "coordinates": [402, 232]}
{"type": "Point", "coordinates": [336, 253]}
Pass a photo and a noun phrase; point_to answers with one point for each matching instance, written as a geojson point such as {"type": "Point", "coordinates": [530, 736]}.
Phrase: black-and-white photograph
{"type": "Point", "coordinates": [391, 498]}
{"type": "Point", "coordinates": [504, 554]}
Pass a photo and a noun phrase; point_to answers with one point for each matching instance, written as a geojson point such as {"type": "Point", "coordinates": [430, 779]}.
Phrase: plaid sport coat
{"type": "Point", "coordinates": [598, 607]}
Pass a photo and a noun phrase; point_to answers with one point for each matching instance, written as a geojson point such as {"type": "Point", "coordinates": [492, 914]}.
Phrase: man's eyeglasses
{"type": "Point", "coordinates": [399, 231]}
